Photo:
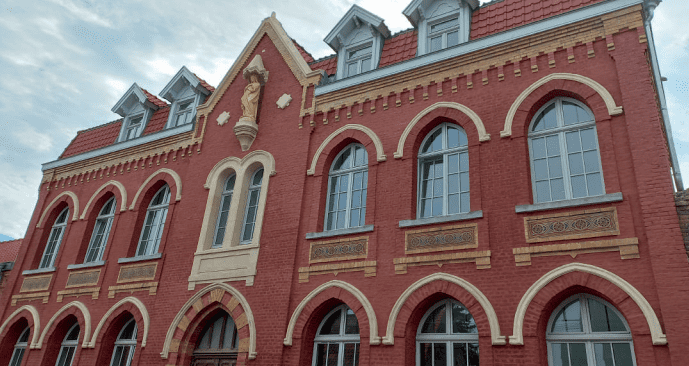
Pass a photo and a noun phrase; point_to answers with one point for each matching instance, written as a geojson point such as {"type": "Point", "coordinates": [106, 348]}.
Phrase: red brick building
{"type": "Point", "coordinates": [494, 185]}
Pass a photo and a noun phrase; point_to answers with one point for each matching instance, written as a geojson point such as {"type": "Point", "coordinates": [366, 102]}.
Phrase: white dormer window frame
{"type": "Point", "coordinates": [133, 126]}
{"type": "Point", "coordinates": [179, 116]}
{"type": "Point", "coordinates": [422, 14]}
{"type": "Point", "coordinates": [184, 88]}
{"type": "Point", "coordinates": [448, 35]}
{"type": "Point", "coordinates": [359, 58]}
{"type": "Point", "coordinates": [137, 110]}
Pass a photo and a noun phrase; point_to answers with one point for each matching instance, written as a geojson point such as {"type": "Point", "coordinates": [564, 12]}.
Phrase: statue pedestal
{"type": "Point", "coordinates": [245, 129]}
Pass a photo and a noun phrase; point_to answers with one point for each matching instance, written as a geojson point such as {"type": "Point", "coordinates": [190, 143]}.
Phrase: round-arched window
{"type": "Point", "coordinates": [20, 348]}
{"type": "Point", "coordinates": [101, 231]}
{"type": "Point", "coordinates": [447, 336]}
{"type": "Point", "coordinates": [223, 211]}
{"type": "Point", "coordinates": [125, 345]}
{"type": "Point", "coordinates": [218, 341]}
{"type": "Point", "coordinates": [69, 346]}
{"type": "Point", "coordinates": [337, 339]}
{"type": "Point", "coordinates": [154, 224]}
{"type": "Point", "coordinates": [251, 210]}
{"type": "Point", "coordinates": [54, 240]}
{"type": "Point", "coordinates": [586, 330]}
{"type": "Point", "coordinates": [348, 180]}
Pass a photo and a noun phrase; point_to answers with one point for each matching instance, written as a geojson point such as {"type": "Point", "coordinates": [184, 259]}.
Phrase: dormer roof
{"type": "Point", "coordinates": [350, 22]}
{"type": "Point", "coordinates": [137, 95]}
{"type": "Point", "coordinates": [414, 11]}
{"type": "Point", "coordinates": [183, 78]}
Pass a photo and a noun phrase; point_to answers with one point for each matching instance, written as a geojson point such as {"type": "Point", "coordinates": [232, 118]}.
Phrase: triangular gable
{"type": "Point", "coordinates": [284, 44]}
{"type": "Point", "coordinates": [350, 22]}
{"type": "Point", "coordinates": [183, 74]}
{"type": "Point", "coordinates": [134, 95]}
{"type": "Point", "coordinates": [414, 11]}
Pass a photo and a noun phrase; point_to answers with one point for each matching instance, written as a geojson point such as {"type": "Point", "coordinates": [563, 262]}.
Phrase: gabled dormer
{"type": "Point", "coordinates": [136, 106]}
{"type": "Point", "coordinates": [358, 40]}
{"type": "Point", "coordinates": [185, 91]}
{"type": "Point", "coordinates": [441, 23]}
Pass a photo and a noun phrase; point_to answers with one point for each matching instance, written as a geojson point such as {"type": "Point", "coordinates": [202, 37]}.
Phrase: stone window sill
{"type": "Point", "coordinates": [86, 265]}
{"type": "Point", "coordinates": [339, 232]}
{"type": "Point", "coordinates": [38, 270]}
{"type": "Point", "coordinates": [140, 258]}
{"type": "Point", "coordinates": [441, 219]}
{"type": "Point", "coordinates": [612, 197]}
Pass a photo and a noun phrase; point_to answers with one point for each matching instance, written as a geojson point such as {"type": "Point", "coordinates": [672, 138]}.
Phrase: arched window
{"type": "Point", "coordinates": [444, 172]}
{"type": "Point", "coordinates": [68, 347]}
{"type": "Point", "coordinates": [565, 161]}
{"type": "Point", "coordinates": [125, 345]}
{"type": "Point", "coordinates": [217, 344]}
{"type": "Point", "coordinates": [154, 223]}
{"type": "Point", "coordinates": [251, 207]}
{"type": "Point", "coordinates": [337, 339]}
{"type": "Point", "coordinates": [585, 330]}
{"type": "Point", "coordinates": [101, 231]}
{"type": "Point", "coordinates": [20, 348]}
{"type": "Point", "coordinates": [346, 206]}
{"type": "Point", "coordinates": [54, 240]}
{"type": "Point", "coordinates": [448, 336]}
{"type": "Point", "coordinates": [223, 210]}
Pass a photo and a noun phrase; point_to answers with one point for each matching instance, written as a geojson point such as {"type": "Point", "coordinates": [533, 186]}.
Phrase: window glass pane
{"type": "Point", "coordinates": [229, 184]}
{"type": "Point", "coordinates": [459, 354]}
{"type": "Point", "coordinates": [453, 204]}
{"type": "Point", "coordinates": [361, 157]}
{"type": "Point", "coordinates": [541, 169]}
{"type": "Point", "coordinates": [462, 321]}
{"type": "Point", "coordinates": [452, 38]}
{"type": "Point", "coordinates": [465, 202]}
{"type": "Point", "coordinates": [185, 105]}
{"type": "Point", "coordinates": [588, 139]}
{"type": "Point", "coordinates": [623, 354]}
{"type": "Point", "coordinates": [434, 142]}
{"type": "Point", "coordinates": [555, 167]}
{"type": "Point", "coordinates": [230, 330]}
{"type": "Point", "coordinates": [426, 356]}
{"type": "Point", "coordinates": [557, 187]}
{"type": "Point", "coordinates": [538, 146]}
{"type": "Point", "coordinates": [351, 325]}
{"type": "Point", "coordinates": [464, 162]}
{"type": "Point", "coordinates": [464, 179]}
{"type": "Point", "coordinates": [435, 322]}
{"type": "Point", "coordinates": [573, 141]}
{"type": "Point", "coordinates": [360, 52]}
{"type": "Point", "coordinates": [24, 338]}
{"type": "Point", "coordinates": [352, 68]}
{"type": "Point", "coordinates": [343, 161]}
{"type": "Point", "coordinates": [591, 161]}
{"type": "Point", "coordinates": [73, 334]}
{"type": "Point", "coordinates": [603, 353]}
{"type": "Point", "coordinates": [569, 319]}
{"type": "Point", "coordinates": [603, 319]}
{"type": "Point", "coordinates": [453, 184]}
{"type": "Point", "coordinates": [452, 163]}
{"type": "Point", "coordinates": [437, 206]}
{"type": "Point", "coordinates": [366, 64]}
{"type": "Point", "coordinates": [546, 119]}
{"type": "Point", "coordinates": [333, 352]}
{"type": "Point", "coordinates": [576, 164]}
{"type": "Point", "coordinates": [321, 354]}
{"type": "Point", "coordinates": [542, 191]}
{"type": "Point", "coordinates": [439, 354]}
{"type": "Point", "coordinates": [129, 332]}
{"type": "Point", "coordinates": [332, 324]}
{"type": "Point", "coordinates": [553, 145]}
{"type": "Point", "coordinates": [560, 354]}
{"type": "Point", "coordinates": [577, 354]}
{"type": "Point", "coordinates": [452, 137]}
{"type": "Point", "coordinates": [216, 332]}
{"type": "Point", "coordinates": [578, 186]}
{"type": "Point", "coordinates": [17, 357]}
{"type": "Point", "coordinates": [444, 25]}
{"type": "Point", "coordinates": [473, 354]}
{"type": "Point", "coordinates": [350, 354]}
{"type": "Point", "coordinates": [436, 43]}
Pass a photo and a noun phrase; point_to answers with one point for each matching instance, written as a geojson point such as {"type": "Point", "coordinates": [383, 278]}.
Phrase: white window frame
{"type": "Point", "coordinates": [128, 126]}
{"type": "Point", "coordinates": [129, 343]}
{"type": "Point", "coordinates": [67, 345]}
{"type": "Point", "coordinates": [444, 33]}
{"type": "Point", "coordinates": [20, 348]}
{"type": "Point", "coordinates": [104, 220]}
{"type": "Point", "coordinates": [448, 337]}
{"type": "Point", "coordinates": [52, 247]}
{"type": "Point", "coordinates": [587, 336]}
{"type": "Point", "coordinates": [253, 188]}
{"type": "Point", "coordinates": [443, 153]}
{"type": "Point", "coordinates": [350, 172]}
{"type": "Point", "coordinates": [190, 112]}
{"type": "Point", "coordinates": [561, 131]}
{"type": "Point", "coordinates": [340, 339]}
{"type": "Point", "coordinates": [358, 59]}
{"type": "Point", "coordinates": [219, 223]}
{"type": "Point", "coordinates": [419, 13]}
{"type": "Point", "coordinates": [150, 246]}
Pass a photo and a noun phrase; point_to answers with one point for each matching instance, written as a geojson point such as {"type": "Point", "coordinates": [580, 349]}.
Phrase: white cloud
{"type": "Point", "coordinates": [83, 14]}
{"type": "Point", "coordinates": [30, 138]}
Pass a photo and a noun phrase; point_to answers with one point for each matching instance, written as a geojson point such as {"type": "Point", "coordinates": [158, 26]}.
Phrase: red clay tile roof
{"type": "Point", "coordinates": [500, 16]}
{"type": "Point", "coordinates": [9, 250]}
{"type": "Point", "coordinates": [328, 63]}
{"type": "Point", "coordinates": [93, 138]}
{"type": "Point", "coordinates": [307, 56]}
{"type": "Point", "coordinates": [153, 99]}
{"type": "Point", "coordinates": [208, 87]}
{"type": "Point", "coordinates": [400, 47]}
{"type": "Point", "coordinates": [157, 122]}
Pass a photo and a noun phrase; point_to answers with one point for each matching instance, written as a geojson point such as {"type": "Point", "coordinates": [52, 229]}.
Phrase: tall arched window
{"type": "Point", "coordinates": [251, 207]}
{"type": "Point", "coordinates": [154, 222]}
{"type": "Point", "coordinates": [20, 348]}
{"type": "Point", "coordinates": [348, 179]}
{"type": "Point", "coordinates": [217, 344]}
{"type": "Point", "coordinates": [54, 240]}
{"type": "Point", "coordinates": [101, 231]}
{"type": "Point", "coordinates": [444, 172]}
{"type": "Point", "coordinates": [223, 211]}
{"type": "Point", "coordinates": [448, 336]}
{"type": "Point", "coordinates": [337, 339]}
{"type": "Point", "coordinates": [125, 345]}
{"type": "Point", "coordinates": [565, 161]}
{"type": "Point", "coordinates": [585, 330]}
{"type": "Point", "coordinates": [68, 346]}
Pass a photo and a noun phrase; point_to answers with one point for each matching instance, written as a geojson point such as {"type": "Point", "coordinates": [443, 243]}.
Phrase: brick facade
{"type": "Point", "coordinates": [510, 267]}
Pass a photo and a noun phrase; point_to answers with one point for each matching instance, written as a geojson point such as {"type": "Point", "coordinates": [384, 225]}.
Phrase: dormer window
{"type": "Point", "coordinates": [358, 40]}
{"type": "Point", "coordinates": [441, 23]}
{"type": "Point", "coordinates": [133, 127]}
{"type": "Point", "coordinates": [137, 107]}
{"type": "Point", "coordinates": [185, 91]}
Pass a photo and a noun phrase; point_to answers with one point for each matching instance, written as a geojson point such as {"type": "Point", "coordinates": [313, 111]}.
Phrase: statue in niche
{"type": "Point", "coordinates": [246, 128]}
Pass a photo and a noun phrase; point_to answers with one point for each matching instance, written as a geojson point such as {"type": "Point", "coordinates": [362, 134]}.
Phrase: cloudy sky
{"type": "Point", "coordinates": [65, 63]}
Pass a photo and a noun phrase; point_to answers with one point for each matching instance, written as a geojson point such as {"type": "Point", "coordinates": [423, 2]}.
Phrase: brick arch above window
{"type": "Point", "coordinates": [561, 278]}
{"type": "Point", "coordinates": [64, 196]}
{"type": "Point", "coordinates": [437, 110]}
{"type": "Point", "coordinates": [126, 304]}
{"type": "Point", "coordinates": [122, 196]}
{"type": "Point", "coordinates": [377, 143]}
{"type": "Point", "coordinates": [73, 308]}
{"type": "Point", "coordinates": [175, 188]}
{"type": "Point", "coordinates": [440, 279]}
{"type": "Point", "coordinates": [326, 291]}
{"type": "Point", "coordinates": [34, 320]}
{"type": "Point", "coordinates": [599, 91]}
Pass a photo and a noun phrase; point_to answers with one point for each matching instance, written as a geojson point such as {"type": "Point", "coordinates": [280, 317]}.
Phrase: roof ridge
{"type": "Point", "coordinates": [405, 31]}
{"type": "Point", "coordinates": [302, 47]}
{"type": "Point", "coordinates": [490, 3]}
{"type": "Point", "coordinates": [323, 59]}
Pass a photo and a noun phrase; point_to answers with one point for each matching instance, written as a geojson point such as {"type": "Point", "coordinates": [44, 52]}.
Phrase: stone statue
{"type": "Point", "coordinates": [250, 98]}
{"type": "Point", "coordinates": [246, 128]}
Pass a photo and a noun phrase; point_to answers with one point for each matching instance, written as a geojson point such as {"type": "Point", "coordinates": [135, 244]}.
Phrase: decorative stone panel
{"type": "Point", "coordinates": [44, 296]}
{"type": "Point", "coordinates": [151, 287]}
{"type": "Point", "coordinates": [369, 268]}
{"type": "Point", "coordinates": [441, 239]}
{"type": "Point", "coordinates": [572, 225]}
{"type": "Point", "coordinates": [340, 249]}
{"type": "Point", "coordinates": [36, 283]}
{"type": "Point", "coordinates": [628, 248]}
{"type": "Point", "coordinates": [83, 278]}
{"type": "Point", "coordinates": [91, 291]}
{"type": "Point", "coordinates": [137, 272]}
{"type": "Point", "coordinates": [482, 259]}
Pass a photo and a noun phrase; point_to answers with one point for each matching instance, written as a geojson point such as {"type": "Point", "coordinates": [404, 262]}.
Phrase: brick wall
{"type": "Point", "coordinates": [682, 203]}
